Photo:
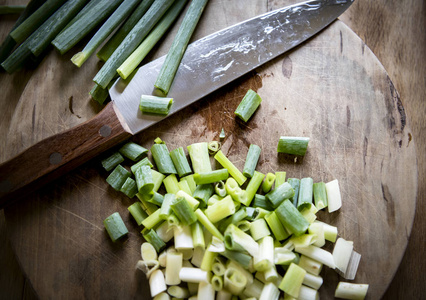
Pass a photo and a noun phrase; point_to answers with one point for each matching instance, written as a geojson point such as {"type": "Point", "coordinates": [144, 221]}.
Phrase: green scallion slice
{"type": "Point", "coordinates": [252, 158]}
{"type": "Point", "coordinates": [203, 192]}
{"type": "Point", "coordinates": [268, 182]}
{"type": "Point", "coordinates": [155, 105]}
{"type": "Point", "coordinates": [115, 227]}
{"type": "Point", "coordinates": [129, 187]}
{"type": "Point", "coordinates": [180, 162]}
{"type": "Point", "coordinates": [118, 177]}
{"type": "Point", "coordinates": [320, 195]}
{"type": "Point", "coordinates": [137, 212]}
{"type": "Point", "coordinates": [232, 169]}
{"type": "Point", "coordinates": [295, 184]}
{"type": "Point", "coordinates": [253, 186]}
{"type": "Point", "coordinates": [144, 180]}
{"type": "Point", "coordinates": [152, 237]}
{"type": "Point", "coordinates": [293, 145]}
{"type": "Point", "coordinates": [183, 211]}
{"type": "Point", "coordinates": [133, 151]}
{"type": "Point", "coordinates": [142, 162]}
{"type": "Point", "coordinates": [248, 105]}
{"type": "Point", "coordinates": [211, 177]}
{"type": "Point", "coordinates": [291, 218]}
{"type": "Point", "coordinates": [200, 159]}
{"type": "Point", "coordinates": [178, 47]}
{"type": "Point", "coordinates": [112, 161]}
{"type": "Point", "coordinates": [162, 159]}
{"type": "Point", "coordinates": [278, 195]}
{"type": "Point", "coordinates": [305, 194]}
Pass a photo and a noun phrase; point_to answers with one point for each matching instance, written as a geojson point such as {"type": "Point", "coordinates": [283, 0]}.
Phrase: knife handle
{"type": "Point", "coordinates": [59, 154]}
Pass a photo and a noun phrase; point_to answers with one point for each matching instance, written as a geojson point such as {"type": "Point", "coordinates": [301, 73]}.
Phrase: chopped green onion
{"type": "Point", "coordinates": [259, 229]}
{"type": "Point", "coordinates": [254, 289]}
{"type": "Point", "coordinates": [151, 236]}
{"type": "Point", "coordinates": [183, 237]}
{"type": "Point", "coordinates": [342, 252]}
{"type": "Point", "coordinates": [355, 291]}
{"type": "Point", "coordinates": [171, 184]}
{"type": "Point", "coordinates": [137, 212]}
{"type": "Point", "coordinates": [178, 292]}
{"type": "Point", "coordinates": [276, 227]}
{"type": "Point", "coordinates": [269, 292]}
{"type": "Point", "coordinates": [318, 230]}
{"type": "Point", "coordinates": [291, 218]}
{"type": "Point", "coordinates": [293, 145]}
{"type": "Point", "coordinates": [235, 218]}
{"type": "Point", "coordinates": [112, 161]}
{"type": "Point", "coordinates": [184, 186]}
{"type": "Point", "coordinates": [155, 105]}
{"type": "Point", "coordinates": [252, 158]}
{"type": "Point", "coordinates": [74, 33]}
{"type": "Point", "coordinates": [162, 159]}
{"type": "Point", "coordinates": [305, 194]}
{"type": "Point", "coordinates": [130, 64]}
{"type": "Point", "coordinates": [148, 252]}
{"type": "Point", "coordinates": [248, 105]}
{"type": "Point", "coordinates": [99, 94]}
{"type": "Point", "coordinates": [191, 182]}
{"type": "Point", "coordinates": [155, 198]}
{"type": "Point", "coordinates": [211, 177]}
{"type": "Point", "coordinates": [260, 201]}
{"type": "Point", "coordinates": [166, 209]}
{"type": "Point", "coordinates": [157, 284]}
{"type": "Point", "coordinates": [268, 182]}
{"type": "Point", "coordinates": [330, 232]}
{"type": "Point", "coordinates": [133, 151]}
{"type": "Point", "coordinates": [120, 14]}
{"type": "Point", "coordinates": [334, 197]}
{"type": "Point", "coordinates": [292, 280]}
{"type": "Point", "coordinates": [284, 256]}
{"type": "Point", "coordinates": [208, 224]}
{"type": "Point", "coordinates": [200, 159]}
{"type": "Point", "coordinates": [180, 162]}
{"type": "Point", "coordinates": [118, 177]}
{"type": "Point", "coordinates": [320, 195]}
{"type": "Point", "coordinates": [222, 134]}
{"type": "Point", "coordinates": [142, 162]}
{"type": "Point", "coordinates": [242, 258]}
{"type": "Point", "coordinates": [203, 192]}
{"type": "Point", "coordinates": [318, 254]}
{"type": "Point", "coordinates": [194, 275]}
{"type": "Point", "coordinates": [144, 180]}
{"type": "Point", "coordinates": [115, 227]}
{"type": "Point", "coordinates": [220, 209]}
{"type": "Point", "coordinates": [198, 235]}
{"type": "Point", "coordinates": [220, 189]}
{"type": "Point", "coordinates": [173, 266]}
{"type": "Point", "coordinates": [235, 191]}
{"type": "Point", "coordinates": [105, 52]}
{"type": "Point", "coordinates": [178, 47]}
{"type": "Point", "coordinates": [265, 259]}
{"type": "Point", "coordinates": [27, 27]}
{"type": "Point", "coordinates": [236, 239]}
{"type": "Point", "coordinates": [253, 186]}
{"type": "Point", "coordinates": [129, 188]}
{"type": "Point", "coordinates": [279, 178]}
{"type": "Point", "coordinates": [313, 281]}
{"type": "Point", "coordinates": [183, 211]}
{"type": "Point", "coordinates": [152, 220]}
{"type": "Point", "coordinates": [194, 203]}
{"type": "Point", "coordinates": [217, 282]}
{"type": "Point", "coordinates": [279, 194]}
{"type": "Point", "coordinates": [232, 169]}
{"type": "Point", "coordinates": [158, 178]}
{"type": "Point", "coordinates": [295, 184]}
{"type": "Point", "coordinates": [310, 265]}
{"type": "Point", "coordinates": [234, 281]}
{"type": "Point", "coordinates": [150, 208]}
{"type": "Point", "coordinates": [132, 41]}
{"type": "Point", "coordinates": [213, 147]}
{"type": "Point", "coordinates": [205, 291]}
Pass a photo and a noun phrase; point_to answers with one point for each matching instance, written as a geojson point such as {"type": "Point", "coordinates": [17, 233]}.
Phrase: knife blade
{"type": "Point", "coordinates": [208, 64]}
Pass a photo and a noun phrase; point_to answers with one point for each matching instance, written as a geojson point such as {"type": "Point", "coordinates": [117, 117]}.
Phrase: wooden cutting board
{"type": "Point", "coordinates": [331, 89]}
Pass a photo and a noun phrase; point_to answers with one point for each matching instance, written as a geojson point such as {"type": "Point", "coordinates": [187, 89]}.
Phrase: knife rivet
{"type": "Point", "coordinates": [55, 158]}
{"type": "Point", "coordinates": [105, 131]}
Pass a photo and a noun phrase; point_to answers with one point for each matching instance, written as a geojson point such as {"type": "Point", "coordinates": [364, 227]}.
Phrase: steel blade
{"type": "Point", "coordinates": [217, 59]}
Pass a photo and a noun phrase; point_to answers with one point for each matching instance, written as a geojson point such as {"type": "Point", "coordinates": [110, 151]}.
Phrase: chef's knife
{"type": "Point", "coordinates": [207, 65]}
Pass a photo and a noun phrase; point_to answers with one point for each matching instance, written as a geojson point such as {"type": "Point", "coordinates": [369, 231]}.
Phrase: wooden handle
{"type": "Point", "coordinates": [59, 154]}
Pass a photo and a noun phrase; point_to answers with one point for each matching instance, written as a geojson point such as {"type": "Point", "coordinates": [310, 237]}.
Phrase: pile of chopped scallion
{"type": "Point", "coordinates": [227, 234]}
{"type": "Point", "coordinates": [122, 32]}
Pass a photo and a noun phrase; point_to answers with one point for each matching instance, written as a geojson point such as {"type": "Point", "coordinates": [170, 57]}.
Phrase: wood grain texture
{"type": "Point", "coordinates": [408, 67]}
